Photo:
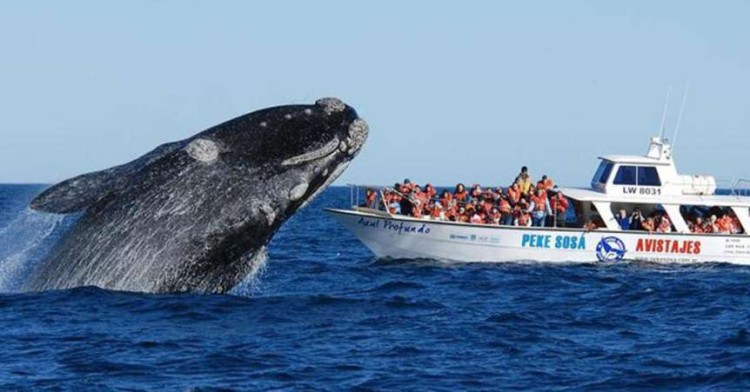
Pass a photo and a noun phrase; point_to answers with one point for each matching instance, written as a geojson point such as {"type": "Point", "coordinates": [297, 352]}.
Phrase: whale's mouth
{"type": "Point", "coordinates": [322, 152]}
{"type": "Point", "coordinates": [355, 138]}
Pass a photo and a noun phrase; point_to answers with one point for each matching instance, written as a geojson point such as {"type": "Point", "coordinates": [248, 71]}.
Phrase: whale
{"type": "Point", "coordinates": [197, 215]}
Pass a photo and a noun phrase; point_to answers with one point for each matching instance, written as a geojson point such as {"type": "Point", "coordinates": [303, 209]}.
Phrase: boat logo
{"type": "Point", "coordinates": [610, 249]}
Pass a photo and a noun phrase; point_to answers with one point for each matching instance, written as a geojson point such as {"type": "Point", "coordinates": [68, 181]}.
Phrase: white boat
{"type": "Point", "coordinates": [650, 183]}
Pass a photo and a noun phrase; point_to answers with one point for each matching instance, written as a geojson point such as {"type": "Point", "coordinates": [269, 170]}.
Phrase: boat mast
{"type": "Point", "coordinates": [679, 116]}
{"type": "Point", "coordinates": [664, 114]}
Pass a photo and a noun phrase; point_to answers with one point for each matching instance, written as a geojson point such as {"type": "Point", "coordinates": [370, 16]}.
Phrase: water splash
{"type": "Point", "coordinates": [25, 241]}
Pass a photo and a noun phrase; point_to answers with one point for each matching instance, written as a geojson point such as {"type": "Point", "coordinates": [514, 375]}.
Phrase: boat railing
{"type": "Point", "coordinates": [741, 187]}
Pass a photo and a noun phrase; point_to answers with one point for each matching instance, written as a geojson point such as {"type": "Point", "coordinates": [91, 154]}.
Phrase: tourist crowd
{"type": "Point", "coordinates": [524, 203]}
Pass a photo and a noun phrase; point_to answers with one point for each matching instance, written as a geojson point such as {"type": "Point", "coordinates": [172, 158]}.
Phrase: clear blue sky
{"type": "Point", "coordinates": [453, 91]}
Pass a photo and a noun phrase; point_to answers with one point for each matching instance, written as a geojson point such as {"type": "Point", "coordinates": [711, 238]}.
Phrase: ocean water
{"type": "Point", "coordinates": [324, 314]}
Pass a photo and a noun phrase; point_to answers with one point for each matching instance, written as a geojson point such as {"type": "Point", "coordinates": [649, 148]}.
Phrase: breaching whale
{"type": "Point", "coordinates": [196, 214]}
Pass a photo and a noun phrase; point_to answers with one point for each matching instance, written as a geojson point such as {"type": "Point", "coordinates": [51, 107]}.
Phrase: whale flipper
{"type": "Point", "coordinates": [77, 193]}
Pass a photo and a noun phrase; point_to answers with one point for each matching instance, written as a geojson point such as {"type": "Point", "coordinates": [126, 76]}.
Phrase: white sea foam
{"type": "Point", "coordinates": [23, 243]}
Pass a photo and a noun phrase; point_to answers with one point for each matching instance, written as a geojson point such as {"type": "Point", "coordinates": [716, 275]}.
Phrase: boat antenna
{"type": "Point", "coordinates": [679, 116]}
{"type": "Point", "coordinates": [664, 115]}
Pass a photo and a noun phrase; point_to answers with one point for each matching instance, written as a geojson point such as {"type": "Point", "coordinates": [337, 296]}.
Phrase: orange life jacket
{"type": "Point", "coordinates": [540, 203]}
{"type": "Point", "coordinates": [461, 196]}
{"type": "Point", "coordinates": [724, 225]}
{"type": "Point", "coordinates": [504, 206]}
{"type": "Point", "coordinates": [446, 200]}
{"type": "Point", "coordinates": [514, 195]}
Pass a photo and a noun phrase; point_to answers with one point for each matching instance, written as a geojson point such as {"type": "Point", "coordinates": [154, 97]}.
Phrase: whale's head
{"type": "Point", "coordinates": [291, 152]}
{"type": "Point", "coordinates": [197, 212]}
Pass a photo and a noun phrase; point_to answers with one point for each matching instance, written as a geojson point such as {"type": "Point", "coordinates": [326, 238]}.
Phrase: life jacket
{"type": "Point", "coordinates": [559, 204]}
{"type": "Point", "coordinates": [724, 225]}
{"type": "Point", "coordinates": [698, 229]}
{"type": "Point", "coordinates": [540, 203]}
{"type": "Point", "coordinates": [436, 212]}
{"type": "Point", "coordinates": [446, 200]}
{"type": "Point", "coordinates": [546, 184]}
{"type": "Point", "coordinates": [514, 195]}
{"type": "Point", "coordinates": [450, 213]}
{"type": "Point", "coordinates": [708, 228]}
{"type": "Point", "coordinates": [504, 206]}
{"type": "Point", "coordinates": [524, 185]}
{"type": "Point", "coordinates": [430, 191]}
{"type": "Point", "coordinates": [461, 196]}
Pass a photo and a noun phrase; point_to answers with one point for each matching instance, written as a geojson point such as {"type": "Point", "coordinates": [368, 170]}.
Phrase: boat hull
{"type": "Point", "coordinates": [411, 238]}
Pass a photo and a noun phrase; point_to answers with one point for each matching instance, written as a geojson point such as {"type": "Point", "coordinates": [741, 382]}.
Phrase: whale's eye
{"type": "Point", "coordinates": [203, 150]}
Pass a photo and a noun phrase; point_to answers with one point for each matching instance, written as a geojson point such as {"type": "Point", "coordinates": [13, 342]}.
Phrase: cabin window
{"type": "Point", "coordinates": [602, 173]}
{"type": "Point", "coordinates": [711, 220]}
{"type": "Point", "coordinates": [648, 176]}
{"type": "Point", "coordinates": [626, 175]}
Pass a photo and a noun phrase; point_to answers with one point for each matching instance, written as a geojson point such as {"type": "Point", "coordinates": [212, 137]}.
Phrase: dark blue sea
{"type": "Point", "coordinates": [324, 314]}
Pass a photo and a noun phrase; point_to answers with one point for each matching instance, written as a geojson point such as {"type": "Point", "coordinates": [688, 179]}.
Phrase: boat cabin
{"type": "Point", "coordinates": [652, 184]}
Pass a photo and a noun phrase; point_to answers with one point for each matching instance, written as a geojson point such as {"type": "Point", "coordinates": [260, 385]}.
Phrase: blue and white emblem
{"type": "Point", "coordinates": [610, 249]}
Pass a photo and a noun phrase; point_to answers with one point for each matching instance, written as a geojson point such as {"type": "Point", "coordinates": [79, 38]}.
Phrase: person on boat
{"type": "Point", "coordinates": [460, 194]}
{"type": "Point", "coordinates": [476, 192]}
{"type": "Point", "coordinates": [623, 220]}
{"type": "Point", "coordinates": [698, 227]}
{"type": "Point", "coordinates": [665, 225]}
{"type": "Point", "coordinates": [371, 198]}
{"type": "Point", "coordinates": [523, 180]}
{"type": "Point", "coordinates": [505, 211]}
{"type": "Point", "coordinates": [407, 186]}
{"type": "Point", "coordinates": [394, 206]}
{"type": "Point", "coordinates": [461, 215]}
{"type": "Point", "coordinates": [636, 220]}
{"type": "Point", "coordinates": [514, 194]}
{"type": "Point", "coordinates": [649, 224]}
{"type": "Point", "coordinates": [590, 225]}
{"type": "Point", "coordinates": [545, 183]}
{"type": "Point", "coordinates": [430, 191]}
{"type": "Point", "coordinates": [559, 206]}
{"type": "Point", "coordinates": [435, 210]}
{"type": "Point", "coordinates": [539, 208]}
{"type": "Point", "coordinates": [494, 216]}
{"type": "Point", "coordinates": [476, 218]}
{"type": "Point", "coordinates": [446, 199]}
{"type": "Point", "coordinates": [523, 219]}
{"type": "Point", "coordinates": [724, 225]}
{"type": "Point", "coordinates": [735, 225]}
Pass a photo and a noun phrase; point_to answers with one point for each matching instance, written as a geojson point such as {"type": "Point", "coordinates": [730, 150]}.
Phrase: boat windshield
{"type": "Point", "coordinates": [602, 173]}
